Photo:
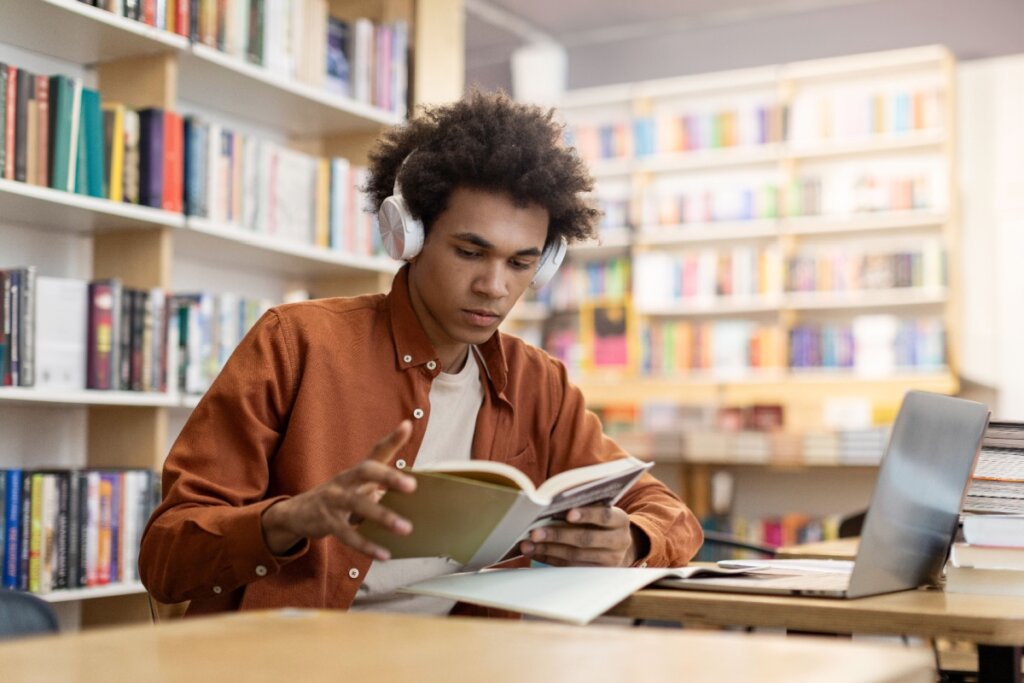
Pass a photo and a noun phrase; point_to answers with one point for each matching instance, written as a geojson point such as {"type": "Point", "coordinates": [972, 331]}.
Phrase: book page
{"type": "Point", "coordinates": [563, 481]}
{"type": "Point", "coordinates": [487, 471]}
{"type": "Point", "coordinates": [604, 491]}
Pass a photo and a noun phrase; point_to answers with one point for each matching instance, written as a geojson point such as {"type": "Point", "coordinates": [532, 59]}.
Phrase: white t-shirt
{"type": "Point", "coordinates": [454, 403]}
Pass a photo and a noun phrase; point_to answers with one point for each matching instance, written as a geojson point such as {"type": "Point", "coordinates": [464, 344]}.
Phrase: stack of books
{"type": "Point", "coordinates": [997, 485]}
{"type": "Point", "coordinates": [991, 558]}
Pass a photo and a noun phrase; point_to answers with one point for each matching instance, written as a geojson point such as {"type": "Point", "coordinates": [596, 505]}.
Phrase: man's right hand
{"type": "Point", "coordinates": [335, 507]}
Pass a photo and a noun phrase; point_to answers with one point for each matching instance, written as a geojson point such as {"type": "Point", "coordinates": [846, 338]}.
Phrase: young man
{"type": "Point", "coordinates": [325, 403]}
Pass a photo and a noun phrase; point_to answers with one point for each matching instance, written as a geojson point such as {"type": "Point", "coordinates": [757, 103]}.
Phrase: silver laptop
{"type": "Point", "coordinates": [912, 517]}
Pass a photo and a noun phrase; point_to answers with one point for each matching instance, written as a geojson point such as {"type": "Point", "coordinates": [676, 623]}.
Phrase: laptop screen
{"type": "Point", "coordinates": [916, 502]}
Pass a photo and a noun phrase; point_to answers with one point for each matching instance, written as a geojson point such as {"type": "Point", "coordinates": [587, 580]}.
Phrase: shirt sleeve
{"type": "Point", "coordinates": [206, 536]}
{"type": "Point", "coordinates": [577, 440]}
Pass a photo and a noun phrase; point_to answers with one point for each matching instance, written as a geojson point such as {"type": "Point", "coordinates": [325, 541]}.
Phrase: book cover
{"type": "Point", "coordinates": [26, 86]}
{"type": "Point", "coordinates": [995, 530]}
{"type": "Point", "coordinates": [10, 116]}
{"type": "Point", "coordinates": [987, 556]}
{"type": "Point", "coordinates": [3, 118]}
{"type": "Point", "coordinates": [103, 334]}
{"type": "Point", "coordinates": [113, 151]}
{"type": "Point", "coordinates": [130, 178]}
{"type": "Point", "coordinates": [43, 134]}
{"type": "Point", "coordinates": [475, 512]}
{"type": "Point", "coordinates": [12, 527]}
{"type": "Point", "coordinates": [61, 332]}
{"type": "Point", "coordinates": [27, 340]}
{"type": "Point", "coordinates": [73, 550]}
{"type": "Point", "coordinates": [92, 121]}
{"type": "Point", "coordinates": [151, 157]}
{"type": "Point", "coordinates": [984, 581]}
{"type": "Point", "coordinates": [35, 532]}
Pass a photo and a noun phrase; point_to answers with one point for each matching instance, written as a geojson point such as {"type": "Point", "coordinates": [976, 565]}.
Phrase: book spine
{"type": "Point", "coordinates": [151, 157]}
{"type": "Point", "coordinates": [74, 528]}
{"type": "Point", "coordinates": [25, 92]}
{"type": "Point", "coordinates": [61, 537]}
{"type": "Point", "coordinates": [35, 536]}
{"type": "Point", "coordinates": [12, 527]}
{"type": "Point", "coordinates": [3, 118]}
{"type": "Point", "coordinates": [5, 328]}
{"type": "Point", "coordinates": [43, 135]}
{"type": "Point", "coordinates": [27, 341]}
{"type": "Point", "coordinates": [10, 121]}
{"type": "Point", "coordinates": [25, 531]}
{"type": "Point", "coordinates": [14, 341]}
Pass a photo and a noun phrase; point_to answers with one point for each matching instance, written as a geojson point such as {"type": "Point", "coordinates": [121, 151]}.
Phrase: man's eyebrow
{"type": "Point", "coordinates": [479, 241]}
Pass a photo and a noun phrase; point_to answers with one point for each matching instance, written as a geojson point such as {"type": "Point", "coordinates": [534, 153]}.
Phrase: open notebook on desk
{"type": "Point", "coordinates": [910, 522]}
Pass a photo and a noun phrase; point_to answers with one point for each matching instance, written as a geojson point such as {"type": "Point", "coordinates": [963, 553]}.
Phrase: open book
{"type": "Point", "coordinates": [573, 594]}
{"type": "Point", "coordinates": [476, 511]}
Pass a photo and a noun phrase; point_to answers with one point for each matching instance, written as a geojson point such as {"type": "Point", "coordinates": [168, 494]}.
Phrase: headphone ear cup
{"type": "Point", "coordinates": [401, 234]}
{"type": "Point", "coordinates": [548, 264]}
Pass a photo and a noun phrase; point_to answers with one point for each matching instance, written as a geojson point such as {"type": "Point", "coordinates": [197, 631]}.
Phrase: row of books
{"type": "Point", "coordinates": [677, 132]}
{"type": "Point", "coordinates": [263, 187]}
{"type": "Point", "coordinates": [299, 39]}
{"type": "Point", "coordinates": [734, 346]}
{"type": "Point", "coordinates": [66, 529]}
{"type": "Point", "coordinates": [59, 134]}
{"type": "Point", "coordinates": [580, 281]}
{"type": "Point", "coordinates": [71, 334]}
{"type": "Point", "coordinates": [870, 344]}
{"type": "Point", "coordinates": [823, 269]}
{"type": "Point", "coordinates": [837, 447]}
{"type": "Point", "coordinates": [805, 196]}
{"type": "Point", "coordinates": [859, 111]}
{"type": "Point", "coordinates": [849, 113]}
{"type": "Point", "coordinates": [700, 275]}
{"type": "Point", "coordinates": [774, 531]}
{"type": "Point", "coordinates": [997, 485]}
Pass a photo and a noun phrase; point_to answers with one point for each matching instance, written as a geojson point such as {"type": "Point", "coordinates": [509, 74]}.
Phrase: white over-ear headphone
{"type": "Point", "coordinates": [403, 235]}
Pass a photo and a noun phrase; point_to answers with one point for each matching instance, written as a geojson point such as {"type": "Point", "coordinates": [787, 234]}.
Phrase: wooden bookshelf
{"type": "Point", "coordinates": [782, 157]}
{"type": "Point", "coordinates": [145, 67]}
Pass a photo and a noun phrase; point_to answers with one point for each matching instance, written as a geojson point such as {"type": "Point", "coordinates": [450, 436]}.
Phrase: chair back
{"type": "Point", "coordinates": [23, 614]}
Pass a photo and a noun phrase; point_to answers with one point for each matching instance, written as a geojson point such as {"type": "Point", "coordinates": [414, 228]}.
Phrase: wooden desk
{"type": "Point", "coordinates": [335, 646]}
{"type": "Point", "coordinates": [994, 623]}
{"type": "Point", "coordinates": [839, 549]}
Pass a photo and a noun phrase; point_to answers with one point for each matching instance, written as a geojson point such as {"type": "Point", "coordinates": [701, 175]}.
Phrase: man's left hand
{"type": "Point", "coordinates": [595, 536]}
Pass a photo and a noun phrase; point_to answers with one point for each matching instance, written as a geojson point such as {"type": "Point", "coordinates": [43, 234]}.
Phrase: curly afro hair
{"type": "Point", "coordinates": [485, 141]}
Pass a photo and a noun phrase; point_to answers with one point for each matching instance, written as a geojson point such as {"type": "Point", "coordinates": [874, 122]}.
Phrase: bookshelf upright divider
{"type": "Point", "coordinates": [142, 67]}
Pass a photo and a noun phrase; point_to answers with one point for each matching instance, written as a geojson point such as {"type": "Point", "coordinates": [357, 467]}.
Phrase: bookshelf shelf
{"type": "Point", "coordinates": [25, 204]}
{"type": "Point", "coordinates": [794, 466]}
{"type": "Point", "coordinates": [204, 239]}
{"type": "Point", "coordinates": [894, 142]}
{"type": "Point", "coordinates": [785, 387]}
{"type": "Point", "coordinates": [86, 397]}
{"type": "Point", "coordinates": [722, 231]}
{"type": "Point", "coordinates": [108, 591]}
{"type": "Point", "coordinates": [298, 109]}
{"type": "Point", "coordinates": [715, 307]}
{"type": "Point", "coordinates": [702, 159]}
{"type": "Point", "coordinates": [885, 298]}
{"type": "Point", "coordinates": [868, 222]}
{"type": "Point", "coordinates": [77, 32]}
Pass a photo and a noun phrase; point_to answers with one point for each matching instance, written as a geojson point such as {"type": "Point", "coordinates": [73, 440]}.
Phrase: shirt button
{"type": "Point", "coordinates": [217, 590]}
{"type": "Point", "coordinates": [418, 413]}
{"type": "Point", "coordinates": [643, 564]}
{"type": "Point", "coordinates": [407, 358]}
{"type": "Point", "coordinates": [431, 365]}
{"type": "Point", "coordinates": [261, 570]}
{"type": "Point", "coordinates": [353, 573]}
{"type": "Point", "coordinates": [400, 464]}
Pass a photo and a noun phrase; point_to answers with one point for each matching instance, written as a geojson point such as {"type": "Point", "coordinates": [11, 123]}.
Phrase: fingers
{"type": "Point", "coordinates": [371, 474]}
{"type": "Point", "coordinates": [599, 515]}
{"type": "Point", "coordinates": [560, 555]}
{"type": "Point", "coordinates": [386, 448]}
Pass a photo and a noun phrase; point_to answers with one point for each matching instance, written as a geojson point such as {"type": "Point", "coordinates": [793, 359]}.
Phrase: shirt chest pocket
{"type": "Point", "coordinates": [525, 460]}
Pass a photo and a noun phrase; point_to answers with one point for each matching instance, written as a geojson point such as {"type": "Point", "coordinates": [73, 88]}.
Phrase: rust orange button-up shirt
{"type": "Point", "coordinates": [305, 395]}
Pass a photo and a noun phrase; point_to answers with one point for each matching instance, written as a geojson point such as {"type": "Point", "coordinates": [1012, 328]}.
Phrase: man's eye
{"type": "Point", "coordinates": [521, 265]}
{"type": "Point", "coordinates": [466, 253]}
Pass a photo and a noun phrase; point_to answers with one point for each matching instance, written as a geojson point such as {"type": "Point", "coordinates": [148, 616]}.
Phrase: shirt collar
{"type": "Point", "coordinates": [413, 347]}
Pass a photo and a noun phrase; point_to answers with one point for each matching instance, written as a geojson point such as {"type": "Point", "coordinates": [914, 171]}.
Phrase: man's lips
{"type": "Point", "coordinates": [481, 316]}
